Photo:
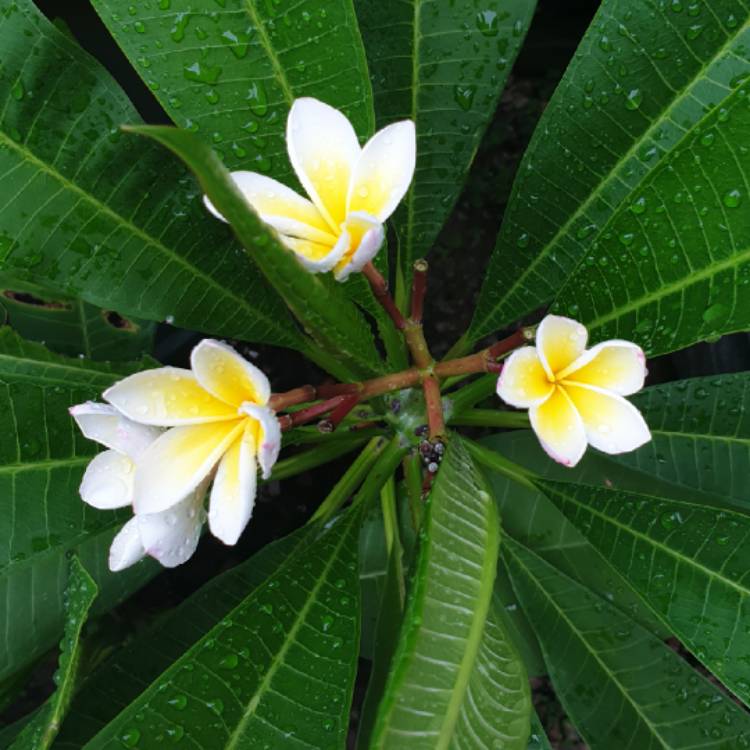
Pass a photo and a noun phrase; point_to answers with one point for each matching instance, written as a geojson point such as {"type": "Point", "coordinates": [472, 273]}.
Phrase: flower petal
{"type": "Point", "coordinates": [108, 481]}
{"type": "Point", "coordinates": [367, 235]}
{"type": "Point", "coordinates": [268, 437]}
{"type": "Point", "coordinates": [104, 424]}
{"type": "Point", "coordinates": [126, 548]}
{"type": "Point", "coordinates": [233, 493]}
{"type": "Point", "coordinates": [618, 366]}
{"type": "Point", "coordinates": [319, 258]}
{"type": "Point", "coordinates": [560, 341]}
{"type": "Point", "coordinates": [613, 424]}
{"type": "Point", "coordinates": [167, 396]}
{"type": "Point", "coordinates": [324, 150]}
{"type": "Point", "coordinates": [384, 171]}
{"type": "Point", "coordinates": [178, 462]}
{"type": "Point", "coordinates": [228, 376]}
{"type": "Point", "coordinates": [559, 428]}
{"type": "Point", "coordinates": [172, 535]}
{"type": "Point", "coordinates": [523, 381]}
{"type": "Point", "coordinates": [280, 207]}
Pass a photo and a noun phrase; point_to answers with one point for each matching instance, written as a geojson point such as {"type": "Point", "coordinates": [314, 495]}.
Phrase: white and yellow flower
{"type": "Point", "coordinates": [574, 395]}
{"type": "Point", "coordinates": [352, 190]}
{"type": "Point", "coordinates": [170, 536]}
{"type": "Point", "coordinates": [170, 432]}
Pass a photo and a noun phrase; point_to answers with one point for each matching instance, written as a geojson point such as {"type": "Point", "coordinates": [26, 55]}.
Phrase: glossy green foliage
{"type": "Point", "coordinates": [71, 326]}
{"type": "Point", "coordinates": [700, 432]}
{"type": "Point", "coordinates": [531, 519]}
{"type": "Point", "coordinates": [621, 685]}
{"type": "Point", "coordinates": [317, 301]}
{"type": "Point", "coordinates": [98, 215]}
{"type": "Point", "coordinates": [673, 266]}
{"type": "Point", "coordinates": [454, 661]}
{"type": "Point", "coordinates": [250, 678]}
{"type": "Point", "coordinates": [230, 70]}
{"type": "Point", "coordinates": [126, 674]}
{"type": "Point", "coordinates": [80, 592]}
{"type": "Point", "coordinates": [631, 176]}
{"type": "Point", "coordinates": [442, 66]}
{"type": "Point", "coordinates": [688, 562]}
{"type": "Point", "coordinates": [42, 460]}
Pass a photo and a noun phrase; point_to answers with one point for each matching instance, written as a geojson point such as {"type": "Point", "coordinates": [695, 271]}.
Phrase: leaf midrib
{"type": "Point", "coordinates": [278, 660]}
{"type": "Point", "coordinates": [530, 576]}
{"type": "Point", "coordinates": [140, 233]}
{"type": "Point", "coordinates": [474, 640]}
{"type": "Point", "coordinates": [613, 173]}
{"type": "Point", "coordinates": [743, 592]}
{"type": "Point", "coordinates": [270, 51]}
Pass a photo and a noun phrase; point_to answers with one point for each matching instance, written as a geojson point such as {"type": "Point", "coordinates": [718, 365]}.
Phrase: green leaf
{"type": "Point", "coordinates": [230, 70]}
{"type": "Point", "coordinates": [531, 519]}
{"type": "Point", "coordinates": [688, 562]}
{"type": "Point", "coordinates": [123, 677]}
{"type": "Point", "coordinates": [248, 680]}
{"type": "Point", "coordinates": [71, 326]}
{"type": "Point", "coordinates": [454, 656]}
{"type": "Point", "coordinates": [96, 215]}
{"type": "Point", "coordinates": [80, 593]}
{"type": "Point", "coordinates": [317, 300]}
{"type": "Point", "coordinates": [444, 67]}
{"type": "Point", "coordinates": [700, 431]}
{"type": "Point", "coordinates": [620, 685]}
{"type": "Point", "coordinates": [631, 106]}
{"type": "Point", "coordinates": [674, 273]}
{"type": "Point", "coordinates": [538, 738]}
{"type": "Point", "coordinates": [42, 459]}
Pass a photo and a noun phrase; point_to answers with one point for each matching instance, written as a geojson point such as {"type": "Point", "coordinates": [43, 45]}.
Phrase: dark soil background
{"type": "Point", "coordinates": [457, 267]}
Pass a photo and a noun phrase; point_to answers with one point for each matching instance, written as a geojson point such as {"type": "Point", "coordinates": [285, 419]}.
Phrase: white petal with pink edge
{"type": "Point", "coordinates": [108, 481]}
{"type": "Point", "coordinates": [172, 535]}
{"type": "Point", "coordinates": [225, 374]}
{"type": "Point", "coordinates": [178, 462]}
{"type": "Point", "coordinates": [106, 425]}
{"type": "Point", "coordinates": [559, 428]}
{"type": "Point", "coordinates": [384, 171]}
{"type": "Point", "coordinates": [233, 492]}
{"type": "Point", "coordinates": [613, 424]}
{"type": "Point", "coordinates": [268, 438]}
{"type": "Point", "coordinates": [324, 150]}
{"type": "Point", "coordinates": [559, 341]}
{"type": "Point", "coordinates": [167, 397]}
{"type": "Point", "coordinates": [523, 381]}
{"type": "Point", "coordinates": [126, 548]}
{"type": "Point", "coordinates": [618, 366]}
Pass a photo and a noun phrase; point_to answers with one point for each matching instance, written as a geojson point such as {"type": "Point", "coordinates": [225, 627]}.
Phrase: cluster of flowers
{"type": "Point", "coordinates": [171, 433]}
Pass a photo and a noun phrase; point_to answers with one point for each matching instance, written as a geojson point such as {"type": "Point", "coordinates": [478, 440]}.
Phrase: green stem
{"type": "Point", "coordinates": [499, 463]}
{"type": "Point", "coordinates": [384, 467]}
{"type": "Point", "coordinates": [313, 436]}
{"type": "Point", "coordinates": [490, 418]}
{"type": "Point", "coordinates": [289, 467]}
{"type": "Point", "coordinates": [392, 537]}
{"type": "Point", "coordinates": [413, 475]}
{"type": "Point", "coordinates": [472, 394]}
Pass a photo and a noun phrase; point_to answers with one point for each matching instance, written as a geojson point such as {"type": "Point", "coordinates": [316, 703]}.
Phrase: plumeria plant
{"type": "Point", "coordinates": [529, 508]}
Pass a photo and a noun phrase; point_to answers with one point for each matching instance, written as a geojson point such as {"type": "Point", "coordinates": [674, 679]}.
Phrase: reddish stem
{"type": "Point", "coordinates": [418, 290]}
{"type": "Point", "coordinates": [434, 404]}
{"type": "Point", "coordinates": [280, 401]}
{"type": "Point", "coordinates": [338, 414]}
{"type": "Point", "coordinates": [383, 296]}
{"type": "Point", "coordinates": [303, 416]}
